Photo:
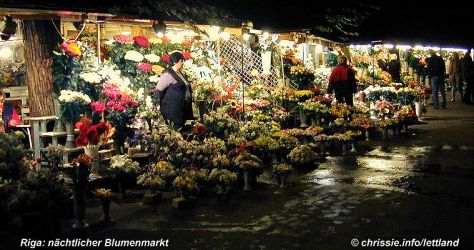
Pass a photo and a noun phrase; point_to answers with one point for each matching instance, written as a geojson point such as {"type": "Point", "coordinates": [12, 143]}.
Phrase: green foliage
{"type": "Point", "coordinates": [11, 157]}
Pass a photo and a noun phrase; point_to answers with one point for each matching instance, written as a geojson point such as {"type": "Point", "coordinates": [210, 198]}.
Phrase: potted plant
{"type": "Point", "coordinates": [105, 196]}
{"type": "Point", "coordinates": [39, 197]}
{"type": "Point", "coordinates": [303, 155]}
{"type": "Point", "coordinates": [80, 177]}
{"type": "Point", "coordinates": [248, 163]}
{"type": "Point", "coordinates": [223, 179]}
{"type": "Point", "coordinates": [121, 166]}
{"type": "Point", "coordinates": [282, 170]}
{"type": "Point", "coordinates": [152, 181]}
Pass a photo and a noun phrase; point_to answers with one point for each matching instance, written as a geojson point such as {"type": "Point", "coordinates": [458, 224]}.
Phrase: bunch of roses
{"type": "Point", "coordinates": [90, 134]}
{"type": "Point", "coordinates": [146, 67]}
{"type": "Point", "coordinates": [118, 101]}
{"type": "Point", "coordinates": [123, 39]}
{"type": "Point", "coordinates": [142, 41]}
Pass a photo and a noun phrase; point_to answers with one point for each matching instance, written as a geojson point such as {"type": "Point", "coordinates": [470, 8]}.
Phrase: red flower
{"type": "Point", "coordinates": [93, 135]}
{"type": "Point", "coordinates": [153, 90]}
{"type": "Point", "coordinates": [142, 41]}
{"type": "Point", "coordinates": [186, 55]}
{"type": "Point", "coordinates": [165, 58]}
{"type": "Point", "coordinates": [119, 108]}
{"type": "Point", "coordinates": [187, 43]}
{"type": "Point", "coordinates": [123, 39]}
{"type": "Point", "coordinates": [98, 107]}
{"type": "Point", "coordinates": [102, 127]}
{"type": "Point", "coordinates": [199, 129]}
{"type": "Point", "coordinates": [144, 66]}
{"type": "Point", "coordinates": [110, 103]}
{"type": "Point", "coordinates": [81, 140]}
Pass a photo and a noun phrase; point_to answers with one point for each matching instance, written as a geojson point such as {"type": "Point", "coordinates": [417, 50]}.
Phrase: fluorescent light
{"type": "Point", "coordinates": [388, 46]}
{"type": "Point", "coordinates": [160, 34]}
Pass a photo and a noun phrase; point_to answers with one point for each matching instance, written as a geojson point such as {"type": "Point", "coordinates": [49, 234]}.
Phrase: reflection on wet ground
{"type": "Point", "coordinates": [385, 192]}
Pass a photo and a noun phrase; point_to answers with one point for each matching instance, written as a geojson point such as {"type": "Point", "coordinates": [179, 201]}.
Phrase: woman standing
{"type": "Point", "coordinates": [174, 93]}
{"type": "Point", "coordinates": [455, 75]}
{"type": "Point", "coordinates": [342, 82]}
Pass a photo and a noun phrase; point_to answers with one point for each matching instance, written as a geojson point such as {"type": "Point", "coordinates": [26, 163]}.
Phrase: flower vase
{"type": "Point", "coordinates": [202, 106]}
{"type": "Point", "coordinates": [418, 109]}
{"type": "Point", "coordinates": [79, 208]}
{"type": "Point", "coordinates": [405, 127]}
{"type": "Point", "coordinates": [385, 133]}
{"type": "Point", "coordinates": [398, 130]}
{"type": "Point", "coordinates": [303, 119]}
{"type": "Point", "coordinates": [354, 146]}
{"type": "Point", "coordinates": [70, 137]}
{"type": "Point", "coordinates": [322, 146]}
{"type": "Point", "coordinates": [247, 179]}
{"type": "Point", "coordinates": [93, 152]}
{"type": "Point", "coordinates": [283, 179]}
{"type": "Point", "coordinates": [274, 157]}
{"type": "Point", "coordinates": [367, 134]}
{"type": "Point", "coordinates": [222, 193]}
{"type": "Point", "coordinates": [122, 188]}
{"type": "Point", "coordinates": [105, 210]}
{"type": "Point", "coordinates": [345, 147]}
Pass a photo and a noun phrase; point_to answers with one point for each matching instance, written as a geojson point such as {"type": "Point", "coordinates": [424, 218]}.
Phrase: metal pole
{"type": "Point", "coordinates": [98, 42]}
{"type": "Point", "coordinates": [242, 76]}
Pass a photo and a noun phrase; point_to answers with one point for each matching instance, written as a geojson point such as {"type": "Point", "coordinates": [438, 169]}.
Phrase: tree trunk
{"type": "Point", "coordinates": [40, 39]}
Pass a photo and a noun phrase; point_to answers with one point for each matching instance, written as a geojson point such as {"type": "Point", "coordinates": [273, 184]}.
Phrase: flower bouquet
{"type": "Point", "coordinates": [73, 105]}
{"type": "Point", "coordinates": [282, 168]}
{"type": "Point", "coordinates": [302, 155]}
{"type": "Point", "coordinates": [340, 110]}
{"type": "Point", "coordinates": [384, 109]}
{"type": "Point", "coordinates": [185, 184]}
{"type": "Point", "coordinates": [362, 121]}
{"type": "Point", "coordinates": [54, 155]}
{"type": "Point", "coordinates": [223, 179]}
{"type": "Point", "coordinates": [219, 121]}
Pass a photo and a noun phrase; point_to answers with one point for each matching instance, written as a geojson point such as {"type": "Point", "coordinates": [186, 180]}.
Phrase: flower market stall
{"type": "Point", "coordinates": [261, 110]}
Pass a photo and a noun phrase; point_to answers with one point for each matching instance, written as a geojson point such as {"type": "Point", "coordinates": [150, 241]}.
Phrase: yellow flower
{"type": "Point", "coordinates": [157, 69]}
{"type": "Point", "coordinates": [75, 48]}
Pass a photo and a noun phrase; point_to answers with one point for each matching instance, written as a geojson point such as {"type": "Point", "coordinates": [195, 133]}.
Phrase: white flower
{"type": "Point", "coordinates": [152, 58]}
{"type": "Point", "coordinates": [68, 96]}
{"type": "Point", "coordinates": [148, 102]}
{"type": "Point", "coordinates": [133, 55]}
{"type": "Point", "coordinates": [154, 78]}
{"type": "Point", "coordinates": [91, 77]}
{"type": "Point", "coordinates": [140, 93]}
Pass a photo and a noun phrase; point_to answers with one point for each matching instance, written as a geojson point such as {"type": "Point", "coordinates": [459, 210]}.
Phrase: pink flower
{"type": "Point", "coordinates": [123, 102]}
{"type": "Point", "coordinates": [134, 104]}
{"type": "Point", "coordinates": [123, 39]}
{"type": "Point", "coordinates": [110, 103]}
{"type": "Point", "coordinates": [119, 108]}
{"type": "Point", "coordinates": [165, 58]}
{"type": "Point", "coordinates": [98, 107]}
{"type": "Point", "coordinates": [144, 66]}
{"type": "Point", "coordinates": [186, 55]}
{"type": "Point", "coordinates": [71, 48]}
{"type": "Point", "coordinates": [142, 41]}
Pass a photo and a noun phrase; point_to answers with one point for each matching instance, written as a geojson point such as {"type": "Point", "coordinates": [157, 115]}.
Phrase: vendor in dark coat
{"type": "Point", "coordinates": [342, 82]}
{"type": "Point", "coordinates": [174, 93]}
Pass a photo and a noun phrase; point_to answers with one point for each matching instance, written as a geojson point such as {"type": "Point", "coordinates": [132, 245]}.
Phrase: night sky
{"type": "Point", "coordinates": [425, 22]}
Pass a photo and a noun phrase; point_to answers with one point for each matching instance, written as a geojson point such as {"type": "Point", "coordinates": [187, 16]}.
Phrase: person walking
{"type": "Point", "coordinates": [394, 68]}
{"type": "Point", "coordinates": [468, 77]}
{"type": "Point", "coordinates": [455, 76]}
{"type": "Point", "coordinates": [342, 82]}
{"type": "Point", "coordinates": [174, 93]}
{"type": "Point", "coordinates": [436, 72]}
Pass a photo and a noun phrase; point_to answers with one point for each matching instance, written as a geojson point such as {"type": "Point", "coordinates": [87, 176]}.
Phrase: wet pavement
{"type": "Point", "coordinates": [417, 185]}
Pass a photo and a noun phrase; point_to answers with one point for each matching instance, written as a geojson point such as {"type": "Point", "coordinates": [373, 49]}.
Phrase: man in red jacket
{"type": "Point", "coordinates": [342, 82]}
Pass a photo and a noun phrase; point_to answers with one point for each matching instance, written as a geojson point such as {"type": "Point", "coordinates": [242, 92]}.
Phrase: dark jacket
{"type": "Point", "coordinates": [171, 94]}
{"type": "Point", "coordinates": [436, 66]}
{"type": "Point", "coordinates": [342, 79]}
{"type": "Point", "coordinates": [394, 69]}
{"type": "Point", "coordinates": [467, 69]}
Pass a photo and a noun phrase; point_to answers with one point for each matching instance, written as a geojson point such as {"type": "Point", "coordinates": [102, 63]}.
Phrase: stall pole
{"type": "Point", "coordinates": [242, 74]}
{"type": "Point", "coordinates": [98, 43]}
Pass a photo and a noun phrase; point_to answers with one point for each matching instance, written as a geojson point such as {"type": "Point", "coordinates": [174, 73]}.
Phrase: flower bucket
{"type": "Point", "coordinates": [93, 152]}
{"type": "Point", "coordinates": [303, 119]}
{"type": "Point", "coordinates": [105, 210]}
{"type": "Point", "coordinates": [418, 109]}
{"type": "Point", "coordinates": [70, 137]}
{"type": "Point", "coordinates": [79, 208]}
{"type": "Point", "coordinates": [247, 180]}
{"type": "Point", "coordinates": [367, 135]}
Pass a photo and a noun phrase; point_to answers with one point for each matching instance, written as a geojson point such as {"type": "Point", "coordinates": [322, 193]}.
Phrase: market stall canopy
{"type": "Point", "coordinates": [336, 20]}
